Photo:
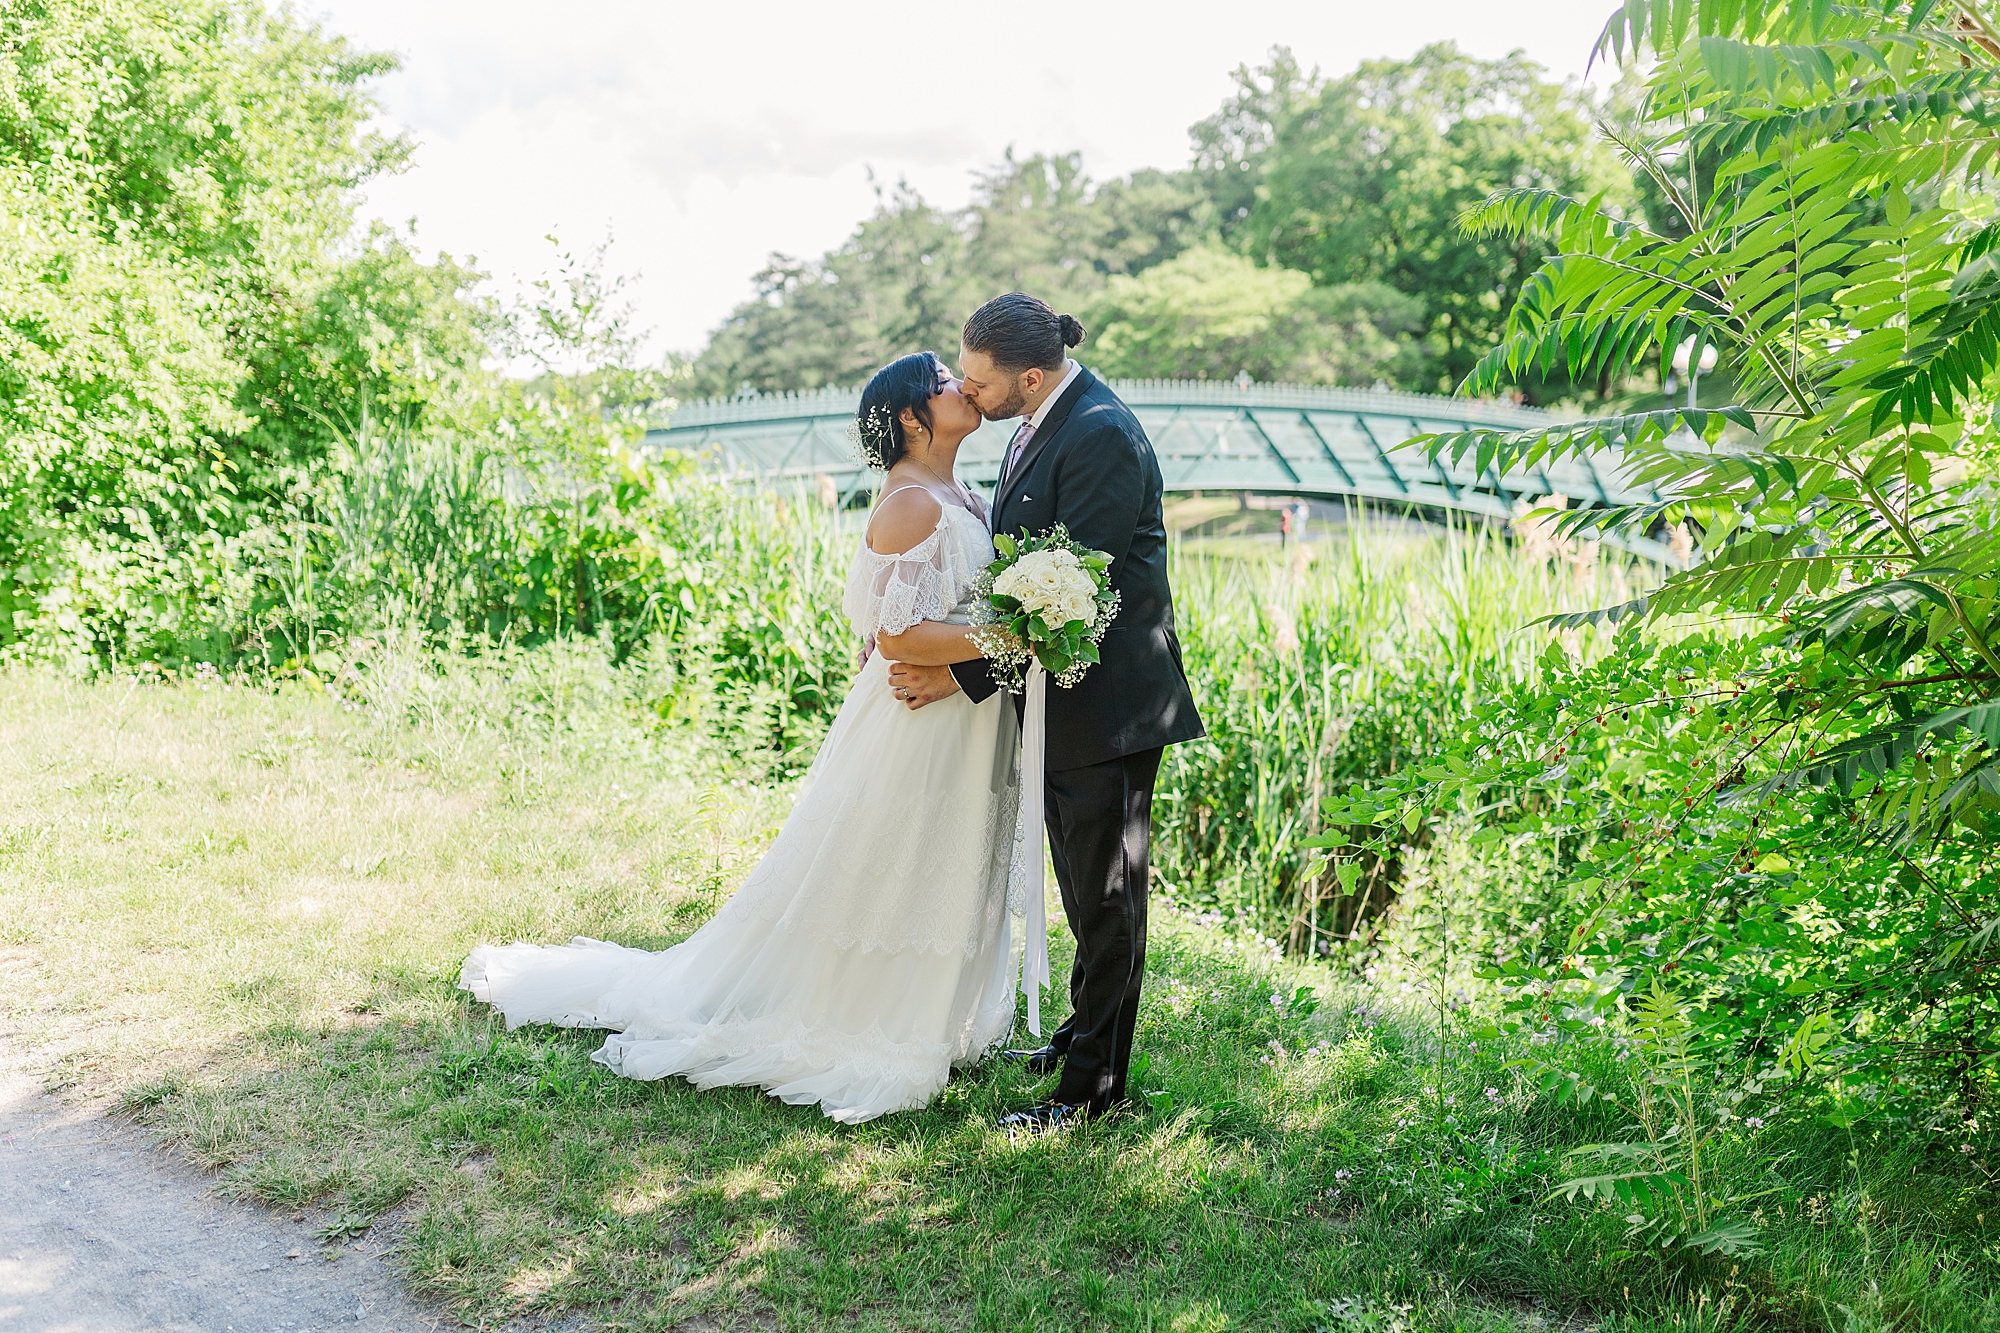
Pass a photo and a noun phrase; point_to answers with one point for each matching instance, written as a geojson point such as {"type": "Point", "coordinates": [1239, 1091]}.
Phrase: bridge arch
{"type": "Point", "coordinates": [1281, 439]}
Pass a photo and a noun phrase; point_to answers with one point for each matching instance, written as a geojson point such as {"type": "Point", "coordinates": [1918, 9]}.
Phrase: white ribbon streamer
{"type": "Point", "coordinates": [1034, 745]}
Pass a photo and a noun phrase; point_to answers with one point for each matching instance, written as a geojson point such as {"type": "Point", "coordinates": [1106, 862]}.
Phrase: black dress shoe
{"type": "Point", "coordinates": [1041, 1060]}
{"type": "Point", "coordinates": [1046, 1118]}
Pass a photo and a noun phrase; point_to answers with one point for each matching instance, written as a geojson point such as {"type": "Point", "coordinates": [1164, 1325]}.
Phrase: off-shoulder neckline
{"type": "Point", "coordinates": [946, 511]}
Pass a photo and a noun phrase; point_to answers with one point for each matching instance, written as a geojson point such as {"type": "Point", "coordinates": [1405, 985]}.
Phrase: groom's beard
{"type": "Point", "coordinates": [1015, 406]}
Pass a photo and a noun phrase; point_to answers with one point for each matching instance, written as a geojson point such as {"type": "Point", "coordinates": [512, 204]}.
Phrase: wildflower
{"type": "Point", "coordinates": [1493, 1094]}
{"type": "Point", "coordinates": [1753, 1122]}
{"type": "Point", "coordinates": [1342, 1174]}
{"type": "Point", "coordinates": [1965, 1147]}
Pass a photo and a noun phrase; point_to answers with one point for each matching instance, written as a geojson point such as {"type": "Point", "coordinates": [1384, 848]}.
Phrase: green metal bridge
{"type": "Point", "coordinates": [1273, 439]}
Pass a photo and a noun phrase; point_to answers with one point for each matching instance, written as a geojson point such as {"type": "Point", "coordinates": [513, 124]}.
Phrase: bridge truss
{"type": "Point", "coordinates": [1273, 439]}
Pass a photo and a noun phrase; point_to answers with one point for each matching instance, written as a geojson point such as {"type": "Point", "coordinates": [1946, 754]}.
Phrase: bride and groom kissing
{"type": "Point", "coordinates": [872, 949]}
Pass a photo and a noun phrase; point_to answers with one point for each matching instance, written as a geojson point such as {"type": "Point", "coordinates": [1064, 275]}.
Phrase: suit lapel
{"type": "Point", "coordinates": [1052, 425]}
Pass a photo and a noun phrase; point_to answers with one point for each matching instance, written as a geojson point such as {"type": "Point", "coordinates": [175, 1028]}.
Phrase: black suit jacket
{"type": "Point", "coordinates": [1091, 468]}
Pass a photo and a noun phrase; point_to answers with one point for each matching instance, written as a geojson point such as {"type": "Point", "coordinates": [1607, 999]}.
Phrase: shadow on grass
{"type": "Point", "coordinates": [1280, 1173]}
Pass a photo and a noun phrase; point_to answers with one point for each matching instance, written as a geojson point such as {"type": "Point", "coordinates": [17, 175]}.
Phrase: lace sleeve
{"type": "Point", "coordinates": [886, 594]}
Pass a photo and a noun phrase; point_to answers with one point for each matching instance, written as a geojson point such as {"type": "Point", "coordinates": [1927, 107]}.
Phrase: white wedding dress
{"type": "Point", "coordinates": [867, 953]}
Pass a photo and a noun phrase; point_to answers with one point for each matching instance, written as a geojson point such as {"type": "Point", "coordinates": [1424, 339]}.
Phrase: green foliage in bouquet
{"type": "Point", "coordinates": [1053, 595]}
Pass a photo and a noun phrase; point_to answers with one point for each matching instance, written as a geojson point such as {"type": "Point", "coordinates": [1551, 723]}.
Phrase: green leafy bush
{"type": "Point", "coordinates": [176, 311]}
{"type": "Point", "coordinates": [1782, 824]}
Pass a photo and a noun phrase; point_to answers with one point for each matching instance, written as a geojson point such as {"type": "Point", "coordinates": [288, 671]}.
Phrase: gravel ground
{"type": "Point", "coordinates": [99, 1233]}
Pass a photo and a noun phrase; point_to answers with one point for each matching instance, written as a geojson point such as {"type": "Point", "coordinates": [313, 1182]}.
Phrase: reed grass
{"type": "Point", "coordinates": [1335, 661]}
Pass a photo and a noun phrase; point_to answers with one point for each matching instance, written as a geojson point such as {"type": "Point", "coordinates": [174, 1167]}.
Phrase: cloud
{"type": "Point", "coordinates": [682, 149]}
{"type": "Point", "coordinates": [707, 136]}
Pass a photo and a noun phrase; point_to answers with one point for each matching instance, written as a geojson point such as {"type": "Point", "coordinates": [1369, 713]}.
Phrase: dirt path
{"type": "Point", "coordinates": [101, 1234]}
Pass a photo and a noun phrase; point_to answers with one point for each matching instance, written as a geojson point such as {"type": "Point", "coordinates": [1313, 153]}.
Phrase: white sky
{"type": "Point", "coordinates": [705, 136]}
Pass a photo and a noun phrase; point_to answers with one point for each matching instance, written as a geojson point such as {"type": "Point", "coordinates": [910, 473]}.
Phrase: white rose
{"type": "Point", "coordinates": [1012, 582]}
{"type": "Point", "coordinates": [1052, 584]}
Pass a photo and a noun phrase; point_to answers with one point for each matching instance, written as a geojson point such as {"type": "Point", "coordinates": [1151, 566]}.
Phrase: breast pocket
{"type": "Point", "coordinates": [1030, 511]}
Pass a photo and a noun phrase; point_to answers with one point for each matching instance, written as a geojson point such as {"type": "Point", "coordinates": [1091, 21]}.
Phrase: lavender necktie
{"type": "Point", "coordinates": [1016, 447]}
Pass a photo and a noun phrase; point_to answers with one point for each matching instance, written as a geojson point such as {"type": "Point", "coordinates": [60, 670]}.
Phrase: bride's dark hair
{"type": "Point", "coordinates": [907, 382]}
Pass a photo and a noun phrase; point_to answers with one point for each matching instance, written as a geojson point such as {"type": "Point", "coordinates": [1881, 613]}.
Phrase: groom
{"type": "Point", "coordinates": [1081, 459]}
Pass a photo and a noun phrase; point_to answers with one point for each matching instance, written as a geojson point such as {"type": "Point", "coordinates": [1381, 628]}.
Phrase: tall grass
{"type": "Point", "coordinates": [726, 605]}
{"type": "Point", "coordinates": [1314, 667]}
{"type": "Point", "coordinates": [1345, 660]}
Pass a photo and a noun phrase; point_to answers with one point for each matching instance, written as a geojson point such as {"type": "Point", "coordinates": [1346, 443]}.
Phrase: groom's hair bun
{"type": "Point", "coordinates": [1018, 332]}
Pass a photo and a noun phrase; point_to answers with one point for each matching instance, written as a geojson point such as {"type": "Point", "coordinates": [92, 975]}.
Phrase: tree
{"type": "Point", "coordinates": [1366, 180]}
{"type": "Point", "coordinates": [910, 274]}
{"type": "Point", "coordinates": [1784, 784]}
{"type": "Point", "coordinates": [179, 183]}
{"type": "Point", "coordinates": [1209, 313]}
{"type": "Point", "coordinates": [1146, 219]}
{"type": "Point", "coordinates": [386, 335]}
{"type": "Point", "coordinates": [1231, 145]}
{"type": "Point", "coordinates": [898, 285]}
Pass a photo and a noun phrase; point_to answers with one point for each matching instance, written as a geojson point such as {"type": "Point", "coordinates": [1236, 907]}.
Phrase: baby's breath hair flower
{"type": "Point", "coordinates": [906, 384]}
{"type": "Point", "coordinates": [874, 435]}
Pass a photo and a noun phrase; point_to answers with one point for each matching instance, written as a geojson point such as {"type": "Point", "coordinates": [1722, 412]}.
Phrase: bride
{"type": "Point", "coordinates": [868, 951]}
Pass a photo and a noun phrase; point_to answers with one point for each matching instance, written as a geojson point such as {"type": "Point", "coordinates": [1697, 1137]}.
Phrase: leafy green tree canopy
{"type": "Point", "coordinates": [1365, 181]}
{"type": "Point", "coordinates": [176, 184]}
{"type": "Point", "coordinates": [1210, 313]}
{"type": "Point", "coordinates": [912, 272]}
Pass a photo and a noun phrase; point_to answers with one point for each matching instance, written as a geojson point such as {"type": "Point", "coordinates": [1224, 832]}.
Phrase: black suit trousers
{"type": "Point", "coordinates": [1100, 834]}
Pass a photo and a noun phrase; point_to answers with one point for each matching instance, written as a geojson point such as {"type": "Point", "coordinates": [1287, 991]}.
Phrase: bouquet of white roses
{"type": "Point", "coordinates": [1054, 597]}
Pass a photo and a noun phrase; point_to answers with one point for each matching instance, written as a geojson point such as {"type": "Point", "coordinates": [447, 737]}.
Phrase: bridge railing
{"type": "Point", "coordinates": [841, 400]}
{"type": "Point", "coordinates": [1288, 439]}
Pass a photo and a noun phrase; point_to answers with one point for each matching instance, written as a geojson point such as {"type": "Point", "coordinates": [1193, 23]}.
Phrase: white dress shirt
{"type": "Point", "coordinates": [1075, 369]}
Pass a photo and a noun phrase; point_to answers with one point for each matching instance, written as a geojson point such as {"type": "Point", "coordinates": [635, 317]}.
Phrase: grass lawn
{"type": "Point", "coordinates": [240, 913]}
